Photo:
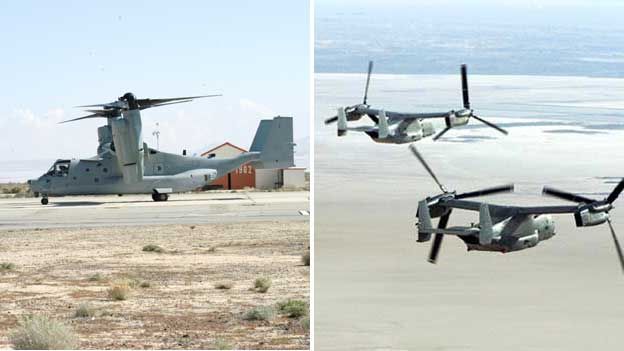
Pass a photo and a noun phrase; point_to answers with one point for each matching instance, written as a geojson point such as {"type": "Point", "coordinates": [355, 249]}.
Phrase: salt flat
{"type": "Point", "coordinates": [373, 286]}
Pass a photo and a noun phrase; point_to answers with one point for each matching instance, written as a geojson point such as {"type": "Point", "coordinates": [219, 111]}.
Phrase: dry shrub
{"type": "Point", "coordinates": [224, 286]}
{"type": "Point", "coordinates": [153, 248]}
{"type": "Point", "coordinates": [119, 291]}
{"type": "Point", "coordinates": [262, 284]}
{"type": "Point", "coordinates": [38, 332]}
{"type": "Point", "coordinates": [260, 313]}
{"type": "Point", "coordinates": [293, 308]}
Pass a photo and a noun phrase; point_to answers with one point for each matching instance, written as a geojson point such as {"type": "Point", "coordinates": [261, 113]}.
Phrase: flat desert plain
{"type": "Point", "coordinates": [375, 290]}
{"type": "Point", "coordinates": [173, 301]}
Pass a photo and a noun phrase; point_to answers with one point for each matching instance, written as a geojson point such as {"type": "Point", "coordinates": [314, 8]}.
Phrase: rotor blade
{"type": "Point", "coordinates": [566, 195]}
{"type": "Point", "coordinates": [616, 192]}
{"type": "Point", "coordinates": [146, 103]}
{"type": "Point", "coordinates": [110, 105]}
{"type": "Point", "coordinates": [464, 80]}
{"type": "Point", "coordinates": [490, 124]}
{"type": "Point", "coordinates": [163, 104]}
{"type": "Point", "coordinates": [331, 120]}
{"type": "Point", "coordinates": [424, 163]}
{"type": "Point", "coordinates": [437, 239]}
{"type": "Point", "coordinates": [95, 115]}
{"type": "Point", "coordinates": [439, 135]}
{"type": "Point", "coordinates": [370, 69]}
{"type": "Point", "coordinates": [617, 244]}
{"type": "Point", "coordinates": [488, 191]}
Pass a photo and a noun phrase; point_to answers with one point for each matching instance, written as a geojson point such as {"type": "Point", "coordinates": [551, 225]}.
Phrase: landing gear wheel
{"type": "Point", "coordinates": [160, 197]}
{"type": "Point", "coordinates": [44, 201]}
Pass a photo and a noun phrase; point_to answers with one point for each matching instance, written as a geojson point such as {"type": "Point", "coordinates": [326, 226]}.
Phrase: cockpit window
{"type": "Point", "coordinates": [59, 169]}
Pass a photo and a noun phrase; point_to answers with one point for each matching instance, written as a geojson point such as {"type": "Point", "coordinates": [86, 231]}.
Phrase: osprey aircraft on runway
{"type": "Point", "coordinates": [506, 228]}
{"type": "Point", "coordinates": [124, 164]}
{"type": "Point", "coordinates": [400, 127]}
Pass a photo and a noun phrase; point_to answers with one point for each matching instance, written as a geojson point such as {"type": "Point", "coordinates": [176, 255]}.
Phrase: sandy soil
{"type": "Point", "coordinates": [181, 308]}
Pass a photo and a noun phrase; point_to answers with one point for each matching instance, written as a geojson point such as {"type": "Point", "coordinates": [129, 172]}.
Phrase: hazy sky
{"type": "Point", "coordinates": [56, 55]}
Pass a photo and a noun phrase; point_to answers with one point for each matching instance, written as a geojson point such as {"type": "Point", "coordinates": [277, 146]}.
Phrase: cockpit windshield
{"type": "Point", "coordinates": [59, 169]}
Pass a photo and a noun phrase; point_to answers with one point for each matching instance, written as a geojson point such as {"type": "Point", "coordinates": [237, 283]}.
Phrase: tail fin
{"type": "Point", "coordinates": [342, 122]}
{"type": "Point", "coordinates": [274, 141]}
{"type": "Point", "coordinates": [383, 125]}
{"type": "Point", "coordinates": [485, 223]}
{"type": "Point", "coordinates": [425, 227]}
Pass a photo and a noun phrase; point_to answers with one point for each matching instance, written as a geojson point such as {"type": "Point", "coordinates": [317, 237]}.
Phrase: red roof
{"type": "Point", "coordinates": [220, 146]}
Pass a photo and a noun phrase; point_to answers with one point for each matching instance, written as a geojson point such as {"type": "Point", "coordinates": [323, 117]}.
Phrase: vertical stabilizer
{"type": "Point", "coordinates": [342, 122]}
{"type": "Point", "coordinates": [274, 142]}
{"type": "Point", "coordinates": [424, 222]}
{"type": "Point", "coordinates": [486, 232]}
{"type": "Point", "coordinates": [383, 125]}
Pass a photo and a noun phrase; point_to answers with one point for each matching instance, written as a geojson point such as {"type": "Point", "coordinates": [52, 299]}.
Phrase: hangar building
{"type": "Point", "coordinates": [248, 176]}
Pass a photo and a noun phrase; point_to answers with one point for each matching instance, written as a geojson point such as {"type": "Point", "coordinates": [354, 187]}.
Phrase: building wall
{"type": "Point", "coordinates": [244, 176]}
{"type": "Point", "coordinates": [267, 178]}
{"type": "Point", "coordinates": [294, 177]}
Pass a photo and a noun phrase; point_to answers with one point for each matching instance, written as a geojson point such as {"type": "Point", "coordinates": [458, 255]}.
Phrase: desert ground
{"type": "Point", "coordinates": [375, 290]}
{"type": "Point", "coordinates": [173, 300]}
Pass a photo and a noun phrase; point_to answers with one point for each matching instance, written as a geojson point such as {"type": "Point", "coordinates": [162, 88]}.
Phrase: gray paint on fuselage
{"type": "Point", "coordinates": [162, 170]}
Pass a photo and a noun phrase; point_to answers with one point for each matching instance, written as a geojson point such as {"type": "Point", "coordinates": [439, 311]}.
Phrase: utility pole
{"type": "Point", "coordinates": [156, 133]}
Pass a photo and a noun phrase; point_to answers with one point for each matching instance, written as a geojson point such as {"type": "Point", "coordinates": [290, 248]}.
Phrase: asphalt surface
{"type": "Point", "coordinates": [95, 211]}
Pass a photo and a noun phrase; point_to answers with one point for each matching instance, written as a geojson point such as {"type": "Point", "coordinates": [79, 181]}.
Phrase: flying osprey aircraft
{"type": "Point", "coordinates": [124, 164]}
{"type": "Point", "coordinates": [399, 127]}
{"type": "Point", "coordinates": [506, 228]}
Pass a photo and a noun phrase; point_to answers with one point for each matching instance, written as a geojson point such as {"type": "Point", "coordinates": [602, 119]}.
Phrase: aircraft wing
{"type": "Point", "coordinates": [459, 231]}
{"type": "Point", "coordinates": [547, 209]}
{"type": "Point", "coordinates": [361, 128]}
{"type": "Point", "coordinates": [394, 117]}
{"type": "Point", "coordinates": [508, 211]}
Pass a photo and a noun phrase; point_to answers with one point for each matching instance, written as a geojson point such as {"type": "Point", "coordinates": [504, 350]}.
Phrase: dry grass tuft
{"type": "Point", "coordinates": [6, 266]}
{"type": "Point", "coordinates": [293, 308]}
{"type": "Point", "coordinates": [224, 286]}
{"type": "Point", "coordinates": [153, 248]}
{"type": "Point", "coordinates": [262, 284]}
{"type": "Point", "coordinates": [84, 310]}
{"type": "Point", "coordinates": [305, 258]}
{"type": "Point", "coordinates": [305, 323]}
{"type": "Point", "coordinates": [42, 333]}
{"type": "Point", "coordinates": [97, 277]}
{"type": "Point", "coordinates": [221, 344]}
{"type": "Point", "coordinates": [119, 291]}
{"type": "Point", "coordinates": [260, 313]}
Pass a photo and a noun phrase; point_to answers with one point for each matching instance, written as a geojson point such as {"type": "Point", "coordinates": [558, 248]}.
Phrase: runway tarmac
{"type": "Point", "coordinates": [94, 211]}
{"type": "Point", "coordinates": [375, 290]}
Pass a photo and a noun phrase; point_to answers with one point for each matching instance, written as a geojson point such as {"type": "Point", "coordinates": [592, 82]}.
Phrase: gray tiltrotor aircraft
{"type": "Point", "coordinates": [506, 228]}
{"type": "Point", "coordinates": [126, 165]}
{"type": "Point", "coordinates": [399, 127]}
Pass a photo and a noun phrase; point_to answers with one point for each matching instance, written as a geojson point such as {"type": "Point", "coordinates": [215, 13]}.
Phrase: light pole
{"type": "Point", "coordinates": [156, 133]}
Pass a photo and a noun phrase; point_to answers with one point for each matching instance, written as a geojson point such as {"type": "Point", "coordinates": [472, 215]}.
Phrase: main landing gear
{"type": "Point", "coordinates": [160, 197]}
{"type": "Point", "coordinates": [44, 200]}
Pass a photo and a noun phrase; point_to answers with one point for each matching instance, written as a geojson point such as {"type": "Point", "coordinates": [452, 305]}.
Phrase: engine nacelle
{"type": "Point", "coordinates": [458, 118]}
{"type": "Point", "coordinates": [128, 145]}
{"type": "Point", "coordinates": [427, 129]}
{"type": "Point", "coordinates": [587, 218]}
